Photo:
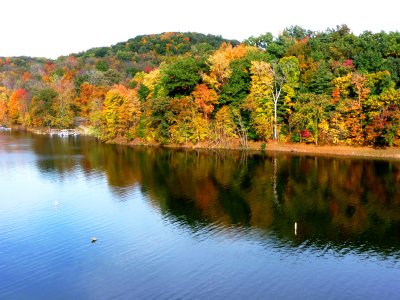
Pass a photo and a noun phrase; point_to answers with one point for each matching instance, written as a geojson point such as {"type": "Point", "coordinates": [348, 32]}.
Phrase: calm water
{"type": "Point", "coordinates": [193, 225]}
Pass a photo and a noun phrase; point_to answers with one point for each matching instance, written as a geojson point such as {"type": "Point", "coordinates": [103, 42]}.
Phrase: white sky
{"type": "Point", "coordinates": [50, 28]}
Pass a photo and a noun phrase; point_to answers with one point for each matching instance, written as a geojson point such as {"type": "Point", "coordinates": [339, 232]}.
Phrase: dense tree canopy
{"type": "Point", "coordinates": [330, 87]}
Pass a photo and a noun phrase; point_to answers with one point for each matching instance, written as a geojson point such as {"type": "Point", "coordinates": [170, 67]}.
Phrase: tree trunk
{"type": "Point", "coordinates": [275, 120]}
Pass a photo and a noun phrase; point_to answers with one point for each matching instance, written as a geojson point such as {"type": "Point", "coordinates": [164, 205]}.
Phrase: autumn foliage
{"type": "Point", "coordinates": [314, 87]}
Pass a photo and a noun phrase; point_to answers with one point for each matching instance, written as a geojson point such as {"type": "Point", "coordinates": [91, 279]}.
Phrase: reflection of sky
{"type": "Point", "coordinates": [45, 249]}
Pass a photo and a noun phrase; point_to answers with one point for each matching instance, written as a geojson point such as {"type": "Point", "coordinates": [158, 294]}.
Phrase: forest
{"type": "Point", "coordinates": [331, 87]}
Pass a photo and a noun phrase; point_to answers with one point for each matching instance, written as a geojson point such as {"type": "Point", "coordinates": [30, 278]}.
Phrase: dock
{"type": "Point", "coordinates": [63, 132]}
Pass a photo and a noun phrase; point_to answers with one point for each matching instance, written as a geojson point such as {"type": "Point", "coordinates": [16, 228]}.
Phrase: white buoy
{"type": "Point", "coordinates": [295, 228]}
{"type": "Point", "coordinates": [55, 203]}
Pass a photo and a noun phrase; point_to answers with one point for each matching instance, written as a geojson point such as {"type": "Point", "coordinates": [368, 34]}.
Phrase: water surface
{"type": "Point", "coordinates": [178, 224]}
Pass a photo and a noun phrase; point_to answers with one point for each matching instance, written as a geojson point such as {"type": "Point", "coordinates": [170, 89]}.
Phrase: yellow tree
{"type": "Point", "coordinates": [63, 114]}
{"type": "Point", "coordinates": [219, 63]}
{"type": "Point", "coordinates": [350, 108]}
{"type": "Point", "coordinates": [268, 83]}
{"type": "Point", "coordinates": [259, 100]}
{"type": "Point", "coordinates": [224, 125]}
{"type": "Point", "coordinates": [146, 84]}
{"type": "Point", "coordinates": [3, 106]}
{"type": "Point", "coordinates": [121, 113]}
{"type": "Point", "coordinates": [129, 113]}
{"type": "Point", "coordinates": [286, 74]}
{"type": "Point", "coordinates": [186, 122]}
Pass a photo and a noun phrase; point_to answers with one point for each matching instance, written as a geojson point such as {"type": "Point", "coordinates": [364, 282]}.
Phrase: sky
{"type": "Point", "coordinates": [50, 28]}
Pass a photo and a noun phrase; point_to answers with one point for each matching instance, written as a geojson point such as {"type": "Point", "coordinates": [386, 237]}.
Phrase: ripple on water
{"type": "Point", "coordinates": [158, 238]}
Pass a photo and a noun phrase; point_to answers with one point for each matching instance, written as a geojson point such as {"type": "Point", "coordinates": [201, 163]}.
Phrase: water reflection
{"type": "Point", "coordinates": [338, 203]}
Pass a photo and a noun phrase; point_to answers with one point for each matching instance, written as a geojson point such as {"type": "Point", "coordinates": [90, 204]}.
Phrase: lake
{"type": "Point", "coordinates": [187, 224]}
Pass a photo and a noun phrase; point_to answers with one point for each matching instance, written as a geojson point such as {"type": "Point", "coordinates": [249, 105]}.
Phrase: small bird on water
{"type": "Point", "coordinates": [93, 239]}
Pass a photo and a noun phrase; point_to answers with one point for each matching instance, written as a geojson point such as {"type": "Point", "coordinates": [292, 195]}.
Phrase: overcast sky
{"type": "Point", "coordinates": [50, 28]}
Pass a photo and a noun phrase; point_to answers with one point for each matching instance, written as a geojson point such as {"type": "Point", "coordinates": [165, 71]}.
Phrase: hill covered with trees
{"type": "Point", "coordinates": [330, 87]}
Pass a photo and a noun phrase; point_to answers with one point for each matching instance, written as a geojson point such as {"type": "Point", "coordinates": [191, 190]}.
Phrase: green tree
{"type": "Point", "coordinates": [320, 81]}
{"type": "Point", "coordinates": [238, 85]}
{"type": "Point", "coordinates": [180, 77]}
{"type": "Point", "coordinates": [41, 107]}
{"type": "Point", "coordinates": [310, 111]}
{"type": "Point", "coordinates": [102, 66]}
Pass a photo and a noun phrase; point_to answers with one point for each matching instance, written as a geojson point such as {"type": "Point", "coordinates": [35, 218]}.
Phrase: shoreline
{"type": "Point", "coordinates": [337, 150]}
{"type": "Point", "coordinates": [392, 153]}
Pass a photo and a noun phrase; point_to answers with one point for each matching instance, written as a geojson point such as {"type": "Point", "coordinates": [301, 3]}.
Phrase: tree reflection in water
{"type": "Point", "coordinates": [338, 201]}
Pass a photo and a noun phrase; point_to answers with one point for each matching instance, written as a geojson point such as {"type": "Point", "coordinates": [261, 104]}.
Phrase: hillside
{"type": "Point", "coordinates": [142, 53]}
{"type": "Point", "coordinates": [167, 43]}
{"type": "Point", "coordinates": [330, 87]}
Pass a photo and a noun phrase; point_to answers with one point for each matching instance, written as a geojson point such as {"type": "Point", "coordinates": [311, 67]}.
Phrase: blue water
{"type": "Point", "coordinates": [193, 225]}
